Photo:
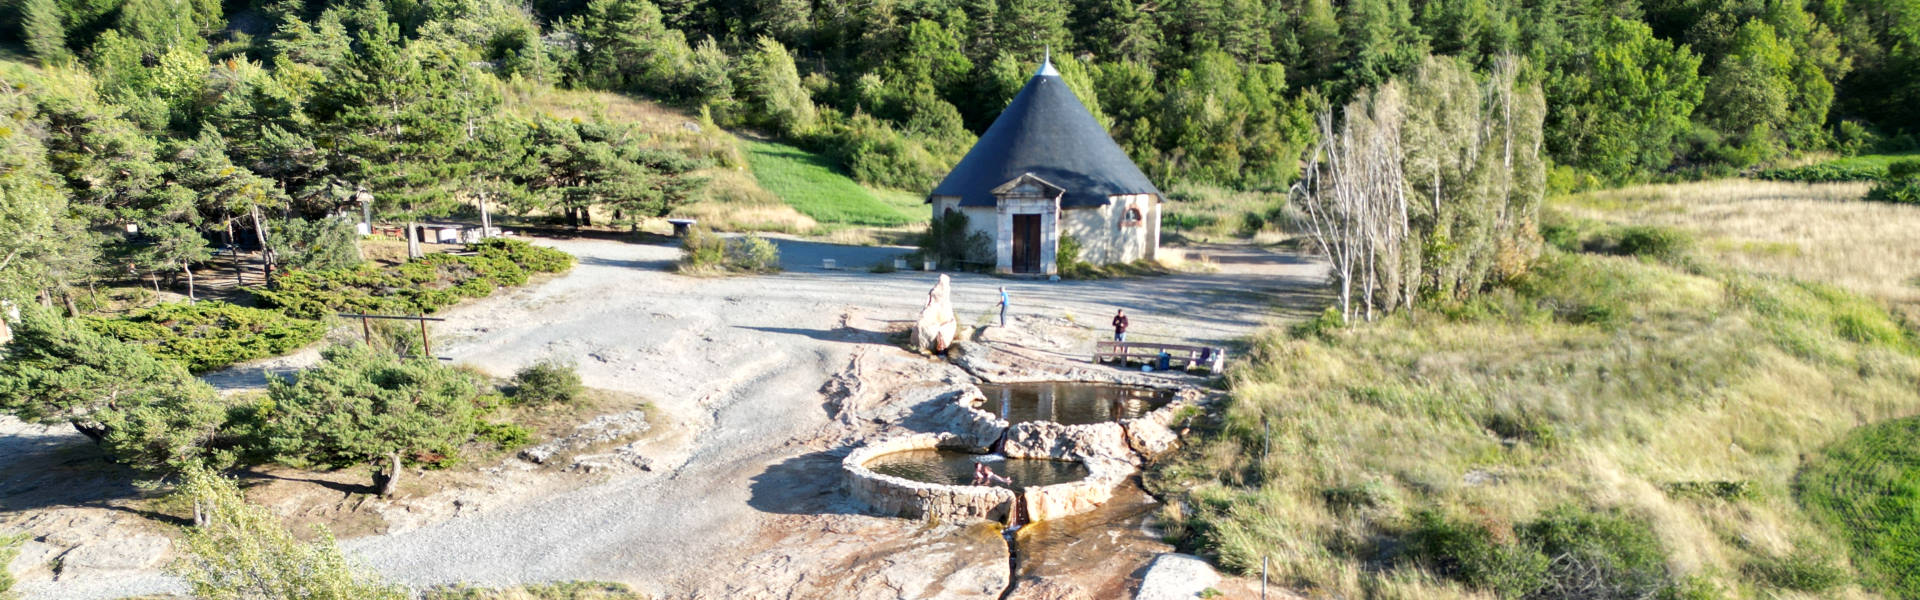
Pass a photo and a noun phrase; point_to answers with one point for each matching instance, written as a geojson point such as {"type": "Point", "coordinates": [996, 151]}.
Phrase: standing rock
{"type": "Point", "coordinates": [937, 327]}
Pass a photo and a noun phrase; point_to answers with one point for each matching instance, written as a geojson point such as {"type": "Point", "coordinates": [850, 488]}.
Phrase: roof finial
{"type": "Point", "coordinates": [1046, 64]}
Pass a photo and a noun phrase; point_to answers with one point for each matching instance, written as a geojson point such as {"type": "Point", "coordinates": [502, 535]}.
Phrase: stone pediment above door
{"type": "Point", "coordinates": [1028, 186]}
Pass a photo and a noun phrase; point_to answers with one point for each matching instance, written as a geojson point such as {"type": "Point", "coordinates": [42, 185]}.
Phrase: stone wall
{"type": "Point", "coordinates": [1107, 236]}
{"type": "Point", "coordinates": [920, 500]}
{"type": "Point", "coordinates": [1110, 451]}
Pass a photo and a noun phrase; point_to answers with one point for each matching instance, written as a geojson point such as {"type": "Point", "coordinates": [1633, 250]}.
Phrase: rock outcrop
{"type": "Point", "coordinates": [1046, 589]}
{"type": "Point", "coordinates": [600, 430]}
{"type": "Point", "coordinates": [129, 554]}
{"type": "Point", "coordinates": [937, 328]}
{"type": "Point", "coordinates": [1042, 439]}
{"type": "Point", "coordinates": [1176, 576]}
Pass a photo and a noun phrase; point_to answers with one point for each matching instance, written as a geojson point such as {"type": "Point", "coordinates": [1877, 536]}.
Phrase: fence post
{"type": "Point", "coordinates": [425, 344]}
{"type": "Point", "coordinates": [1263, 578]}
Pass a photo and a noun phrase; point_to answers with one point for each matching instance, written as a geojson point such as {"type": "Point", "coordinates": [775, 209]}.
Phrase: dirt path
{"type": "Point", "coordinates": [741, 362]}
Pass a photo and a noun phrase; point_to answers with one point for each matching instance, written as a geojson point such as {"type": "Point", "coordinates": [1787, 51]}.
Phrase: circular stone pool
{"type": "Point", "coordinates": [954, 467]}
{"type": "Point", "coordinates": [1070, 403]}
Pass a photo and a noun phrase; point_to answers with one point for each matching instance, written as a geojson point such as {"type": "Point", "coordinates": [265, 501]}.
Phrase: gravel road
{"type": "Point", "coordinates": [741, 361]}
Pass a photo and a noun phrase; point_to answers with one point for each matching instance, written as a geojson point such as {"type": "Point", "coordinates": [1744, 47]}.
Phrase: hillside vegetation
{"type": "Point", "coordinates": [1628, 395]}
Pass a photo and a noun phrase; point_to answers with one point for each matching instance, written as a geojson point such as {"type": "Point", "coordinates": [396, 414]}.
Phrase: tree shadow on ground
{"type": "Point", "coordinates": [338, 486]}
{"type": "Point", "coordinates": [809, 484]}
{"type": "Point", "coordinates": [646, 265]}
{"type": "Point", "coordinates": [839, 334]}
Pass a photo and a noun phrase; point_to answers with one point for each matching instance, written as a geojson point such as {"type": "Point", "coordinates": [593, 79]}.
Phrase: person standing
{"type": "Point", "coordinates": [1120, 325]}
{"type": "Point", "coordinates": [1004, 303]}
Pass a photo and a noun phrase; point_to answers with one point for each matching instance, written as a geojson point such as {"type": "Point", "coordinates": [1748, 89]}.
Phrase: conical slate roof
{"type": "Point", "coordinates": [1046, 131]}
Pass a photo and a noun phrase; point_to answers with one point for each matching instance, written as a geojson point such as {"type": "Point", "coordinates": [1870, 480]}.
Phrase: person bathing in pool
{"type": "Point", "coordinates": [984, 475]}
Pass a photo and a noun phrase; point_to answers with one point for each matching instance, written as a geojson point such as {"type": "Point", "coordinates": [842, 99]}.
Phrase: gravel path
{"type": "Point", "coordinates": [741, 361]}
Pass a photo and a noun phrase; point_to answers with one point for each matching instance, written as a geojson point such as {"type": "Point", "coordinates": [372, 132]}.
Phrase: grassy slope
{"type": "Point", "coordinates": [1867, 487]}
{"type": "Point", "coordinates": [809, 183]}
{"type": "Point", "coordinates": [1597, 381]}
{"type": "Point", "coordinates": [732, 200]}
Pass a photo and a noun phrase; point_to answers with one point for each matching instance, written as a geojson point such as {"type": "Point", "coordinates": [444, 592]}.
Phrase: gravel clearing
{"type": "Point", "coordinates": [742, 362]}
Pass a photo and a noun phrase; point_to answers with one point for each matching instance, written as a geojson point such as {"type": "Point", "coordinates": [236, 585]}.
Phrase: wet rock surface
{"type": "Point", "coordinates": [1046, 589]}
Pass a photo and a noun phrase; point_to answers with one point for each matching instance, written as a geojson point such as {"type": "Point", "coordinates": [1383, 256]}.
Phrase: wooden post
{"type": "Point", "coordinates": [426, 345]}
{"type": "Point", "coordinates": [366, 329]}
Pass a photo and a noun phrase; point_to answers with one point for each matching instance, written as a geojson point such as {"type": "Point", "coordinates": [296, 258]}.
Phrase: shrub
{"type": "Point", "coordinates": [949, 242]}
{"type": "Point", "coordinates": [420, 286]}
{"type": "Point", "coordinates": [1565, 553]}
{"type": "Point", "coordinates": [208, 336]}
{"type": "Point", "coordinates": [1800, 570]}
{"type": "Point", "coordinates": [1826, 173]}
{"type": "Point", "coordinates": [361, 405]}
{"type": "Point", "coordinates": [241, 550]}
{"type": "Point", "coordinates": [1066, 258]}
{"type": "Point", "coordinates": [753, 254]}
{"type": "Point", "coordinates": [707, 252]}
{"type": "Point", "coordinates": [1663, 243]}
{"type": "Point", "coordinates": [322, 244]}
{"type": "Point", "coordinates": [546, 382]}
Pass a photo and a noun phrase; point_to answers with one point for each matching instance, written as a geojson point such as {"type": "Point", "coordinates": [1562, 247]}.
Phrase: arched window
{"type": "Point", "coordinates": [1132, 217]}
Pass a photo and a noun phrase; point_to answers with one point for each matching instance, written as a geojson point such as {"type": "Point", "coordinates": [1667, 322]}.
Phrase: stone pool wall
{"type": "Point", "coordinates": [915, 499]}
{"type": "Point", "coordinates": [1110, 451]}
{"type": "Point", "coordinates": [1075, 497]}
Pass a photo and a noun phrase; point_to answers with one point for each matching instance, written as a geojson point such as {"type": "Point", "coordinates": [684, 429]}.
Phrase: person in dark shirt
{"type": "Point", "coordinates": [1120, 325]}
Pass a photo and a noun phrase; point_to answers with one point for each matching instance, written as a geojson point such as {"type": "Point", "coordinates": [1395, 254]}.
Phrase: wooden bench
{"type": "Point", "coordinates": [1184, 356]}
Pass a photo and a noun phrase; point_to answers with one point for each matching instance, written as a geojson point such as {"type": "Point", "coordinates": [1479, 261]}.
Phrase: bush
{"type": "Point", "coordinates": [323, 244]}
{"type": "Point", "coordinates": [546, 382]}
{"type": "Point", "coordinates": [1566, 553]}
{"type": "Point", "coordinates": [1901, 185]}
{"type": "Point", "coordinates": [209, 336]}
{"type": "Point", "coordinates": [361, 405]}
{"type": "Point", "coordinates": [1800, 570]}
{"type": "Point", "coordinates": [1663, 243]}
{"type": "Point", "coordinates": [753, 254]}
{"type": "Point", "coordinates": [1826, 173]}
{"type": "Point", "coordinates": [707, 252]}
{"type": "Point", "coordinates": [951, 244]}
{"type": "Point", "coordinates": [420, 286]}
{"type": "Point", "coordinates": [1066, 258]}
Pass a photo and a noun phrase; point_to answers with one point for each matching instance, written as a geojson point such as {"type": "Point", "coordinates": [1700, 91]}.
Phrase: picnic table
{"type": "Point", "coordinates": [1181, 355]}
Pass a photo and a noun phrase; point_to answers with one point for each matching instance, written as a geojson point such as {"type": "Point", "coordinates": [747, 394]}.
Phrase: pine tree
{"type": "Point", "coordinates": [237, 550]}
{"type": "Point", "coordinates": [45, 36]}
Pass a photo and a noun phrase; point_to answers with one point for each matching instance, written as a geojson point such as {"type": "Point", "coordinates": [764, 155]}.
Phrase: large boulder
{"type": "Point", "coordinates": [1176, 576]}
{"type": "Point", "coordinates": [1045, 439]}
{"type": "Point", "coordinates": [937, 327]}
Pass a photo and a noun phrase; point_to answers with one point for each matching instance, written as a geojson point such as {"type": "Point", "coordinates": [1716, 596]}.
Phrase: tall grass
{"type": "Point", "coordinates": [1813, 232]}
{"type": "Point", "coordinates": [1619, 383]}
{"type": "Point", "coordinates": [810, 184]}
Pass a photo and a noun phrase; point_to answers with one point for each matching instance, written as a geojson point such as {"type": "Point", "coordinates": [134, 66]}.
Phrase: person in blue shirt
{"type": "Point", "coordinates": [1004, 302]}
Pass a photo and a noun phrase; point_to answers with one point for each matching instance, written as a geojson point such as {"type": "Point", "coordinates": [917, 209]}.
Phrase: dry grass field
{"type": "Point", "coordinates": [1630, 416]}
{"type": "Point", "coordinates": [1813, 232]}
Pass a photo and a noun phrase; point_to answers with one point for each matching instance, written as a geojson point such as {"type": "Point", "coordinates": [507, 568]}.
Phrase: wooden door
{"type": "Point", "coordinates": [1026, 243]}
